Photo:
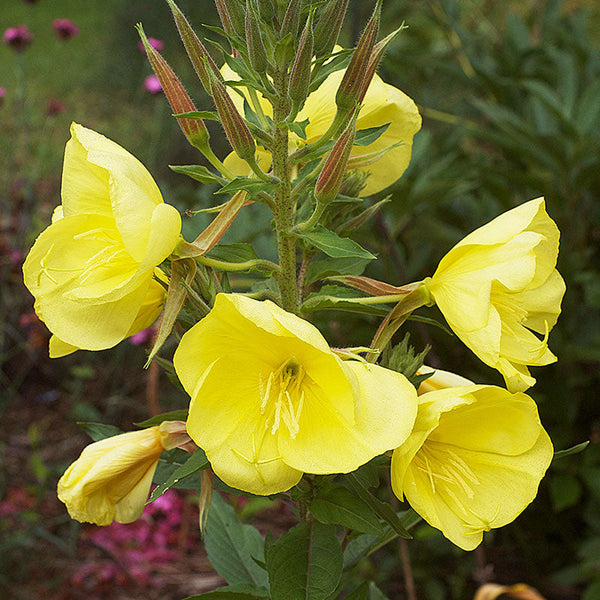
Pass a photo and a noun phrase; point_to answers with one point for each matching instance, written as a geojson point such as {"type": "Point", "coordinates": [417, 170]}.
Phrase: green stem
{"type": "Point", "coordinates": [216, 163]}
{"type": "Point", "coordinates": [284, 210]}
{"type": "Point", "coordinates": [256, 106]}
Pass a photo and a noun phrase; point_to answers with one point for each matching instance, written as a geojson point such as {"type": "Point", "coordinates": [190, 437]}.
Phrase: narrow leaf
{"type": "Point", "coordinates": [240, 252]}
{"type": "Point", "coordinates": [198, 114]}
{"type": "Point", "coordinates": [233, 592]}
{"type": "Point", "coordinates": [572, 450]}
{"type": "Point", "coordinates": [196, 462]}
{"type": "Point", "coordinates": [333, 245]}
{"type": "Point", "coordinates": [249, 184]}
{"type": "Point", "coordinates": [198, 173]}
{"type": "Point", "coordinates": [364, 137]}
{"type": "Point", "coordinates": [174, 415]}
{"type": "Point", "coordinates": [99, 431]}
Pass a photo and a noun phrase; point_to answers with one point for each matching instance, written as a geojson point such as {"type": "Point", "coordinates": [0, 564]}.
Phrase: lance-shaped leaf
{"type": "Point", "coordinates": [199, 173]}
{"type": "Point", "coordinates": [305, 563]}
{"type": "Point", "coordinates": [198, 54]}
{"type": "Point", "coordinates": [215, 230]}
{"type": "Point", "coordinates": [194, 129]}
{"type": "Point", "coordinates": [363, 217]}
{"type": "Point", "coordinates": [182, 271]}
{"type": "Point", "coordinates": [327, 29]}
{"type": "Point", "coordinates": [333, 245]}
{"type": "Point", "coordinates": [350, 88]}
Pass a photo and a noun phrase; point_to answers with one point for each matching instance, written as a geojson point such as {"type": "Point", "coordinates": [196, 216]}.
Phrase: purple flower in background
{"type": "Point", "coordinates": [152, 84]}
{"type": "Point", "coordinates": [65, 29]}
{"type": "Point", "coordinates": [141, 337]}
{"type": "Point", "coordinates": [158, 45]}
{"type": "Point", "coordinates": [54, 107]}
{"type": "Point", "coordinates": [18, 37]}
{"type": "Point", "coordinates": [2, 95]}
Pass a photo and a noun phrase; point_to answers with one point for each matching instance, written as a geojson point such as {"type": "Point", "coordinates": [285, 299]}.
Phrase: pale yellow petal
{"type": "Point", "coordinates": [58, 348]}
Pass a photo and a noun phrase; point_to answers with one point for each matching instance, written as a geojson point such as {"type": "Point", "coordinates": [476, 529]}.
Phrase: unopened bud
{"type": "Point", "coordinates": [194, 129]}
{"type": "Point", "coordinates": [199, 56]}
{"type": "Point", "coordinates": [256, 49]}
{"type": "Point", "coordinates": [291, 19]}
{"type": "Point", "coordinates": [232, 17]}
{"type": "Point", "coordinates": [327, 29]}
{"type": "Point", "coordinates": [334, 169]}
{"type": "Point", "coordinates": [266, 10]}
{"type": "Point", "coordinates": [348, 93]}
{"type": "Point", "coordinates": [300, 75]}
{"type": "Point", "coordinates": [236, 130]}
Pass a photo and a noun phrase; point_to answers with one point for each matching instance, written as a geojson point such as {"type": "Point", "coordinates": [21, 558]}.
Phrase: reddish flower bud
{"type": "Point", "coordinates": [194, 129]}
{"type": "Point", "coordinates": [348, 94]}
{"type": "Point", "coordinates": [64, 29]}
{"type": "Point", "coordinates": [291, 19]}
{"type": "Point", "coordinates": [236, 130]}
{"type": "Point", "coordinates": [327, 29]}
{"type": "Point", "coordinates": [18, 38]}
{"type": "Point", "coordinates": [196, 51]}
{"type": "Point", "coordinates": [232, 16]}
{"type": "Point", "coordinates": [334, 169]}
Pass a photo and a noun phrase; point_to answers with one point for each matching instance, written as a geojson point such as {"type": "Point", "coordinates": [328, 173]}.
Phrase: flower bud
{"type": "Point", "coordinates": [330, 178]}
{"type": "Point", "coordinates": [327, 29]}
{"type": "Point", "coordinates": [64, 29]}
{"type": "Point", "coordinates": [198, 54]}
{"type": "Point", "coordinates": [232, 17]}
{"type": "Point", "coordinates": [194, 129]}
{"type": "Point", "coordinates": [266, 10]}
{"type": "Point", "coordinates": [300, 75]}
{"type": "Point", "coordinates": [236, 130]}
{"type": "Point", "coordinates": [256, 49]}
{"type": "Point", "coordinates": [348, 93]}
{"type": "Point", "coordinates": [291, 19]}
{"type": "Point", "coordinates": [18, 38]}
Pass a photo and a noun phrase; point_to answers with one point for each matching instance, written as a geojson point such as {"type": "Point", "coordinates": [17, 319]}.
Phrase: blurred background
{"type": "Point", "coordinates": [510, 98]}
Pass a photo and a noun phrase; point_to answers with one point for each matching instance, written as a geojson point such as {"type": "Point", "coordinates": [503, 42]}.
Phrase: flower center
{"type": "Point", "coordinates": [282, 396]}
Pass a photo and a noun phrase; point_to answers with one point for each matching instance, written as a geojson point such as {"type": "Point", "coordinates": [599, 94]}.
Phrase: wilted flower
{"type": "Point", "coordinates": [499, 285]}
{"type": "Point", "coordinates": [474, 460]}
{"type": "Point", "coordinates": [152, 84]}
{"type": "Point", "coordinates": [270, 400]}
{"type": "Point", "coordinates": [156, 44]}
{"type": "Point", "coordinates": [111, 479]}
{"type": "Point", "coordinates": [92, 271]}
{"type": "Point", "coordinates": [18, 37]}
{"type": "Point", "coordinates": [65, 29]}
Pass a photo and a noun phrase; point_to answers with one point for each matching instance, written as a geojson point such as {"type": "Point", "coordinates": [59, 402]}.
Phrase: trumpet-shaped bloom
{"type": "Point", "coordinates": [111, 479]}
{"type": "Point", "coordinates": [270, 400]}
{"type": "Point", "coordinates": [499, 285]}
{"type": "Point", "coordinates": [92, 270]}
{"type": "Point", "coordinates": [474, 460]}
{"type": "Point", "coordinates": [383, 103]}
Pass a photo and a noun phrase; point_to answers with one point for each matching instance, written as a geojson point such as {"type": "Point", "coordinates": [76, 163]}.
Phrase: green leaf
{"type": "Point", "coordinates": [209, 115]}
{"type": "Point", "coordinates": [383, 510]}
{"type": "Point", "coordinates": [364, 137]}
{"type": "Point", "coordinates": [249, 184]}
{"type": "Point", "coordinates": [305, 563]}
{"type": "Point", "coordinates": [299, 128]}
{"type": "Point", "coordinates": [338, 62]}
{"type": "Point", "coordinates": [337, 505]}
{"type": "Point", "coordinates": [233, 547]}
{"type": "Point", "coordinates": [99, 431]}
{"type": "Point", "coordinates": [174, 415]}
{"type": "Point", "coordinates": [240, 252]}
{"type": "Point", "coordinates": [333, 245]}
{"type": "Point", "coordinates": [197, 172]}
{"type": "Point", "coordinates": [332, 297]}
{"type": "Point", "coordinates": [168, 463]}
{"type": "Point", "coordinates": [233, 592]}
{"type": "Point", "coordinates": [196, 462]}
{"type": "Point", "coordinates": [367, 591]}
{"type": "Point", "coordinates": [325, 266]}
{"type": "Point", "coordinates": [572, 450]}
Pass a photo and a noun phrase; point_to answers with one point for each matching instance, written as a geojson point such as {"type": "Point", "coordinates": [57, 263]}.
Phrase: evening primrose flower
{"type": "Point", "coordinates": [499, 285]}
{"type": "Point", "coordinates": [270, 400]}
{"type": "Point", "coordinates": [111, 479]}
{"type": "Point", "coordinates": [383, 103]}
{"type": "Point", "coordinates": [474, 460]}
{"type": "Point", "coordinates": [92, 271]}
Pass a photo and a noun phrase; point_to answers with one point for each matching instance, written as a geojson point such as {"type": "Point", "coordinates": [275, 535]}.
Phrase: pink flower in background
{"type": "Point", "coordinates": [65, 29]}
{"type": "Point", "coordinates": [2, 95]}
{"type": "Point", "coordinates": [18, 37]}
{"type": "Point", "coordinates": [142, 337]}
{"type": "Point", "coordinates": [152, 84]}
{"type": "Point", "coordinates": [54, 107]}
{"type": "Point", "coordinates": [156, 44]}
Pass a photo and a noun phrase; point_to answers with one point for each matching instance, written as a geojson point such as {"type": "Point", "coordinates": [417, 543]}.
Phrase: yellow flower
{"type": "Point", "coordinates": [111, 479]}
{"type": "Point", "coordinates": [439, 380]}
{"type": "Point", "coordinates": [474, 460]}
{"type": "Point", "coordinates": [383, 103]}
{"type": "Point", "coordinates": [92, 270]}
{"type": "Point", "coordinates": [498, 285]}
{"type": "Point", "coordinates": [270, 400]}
